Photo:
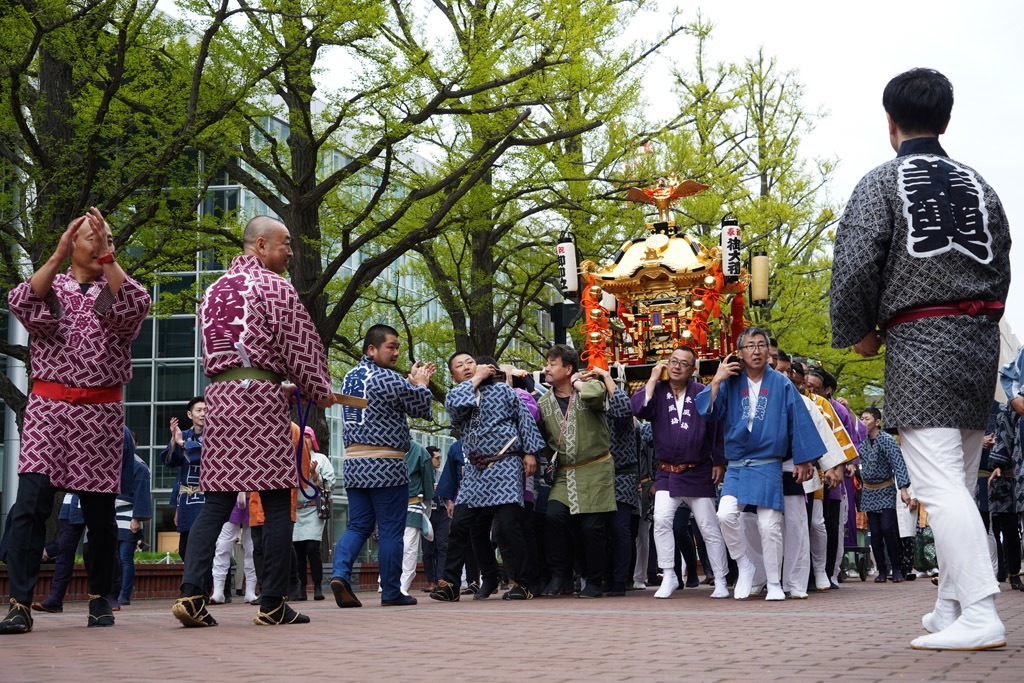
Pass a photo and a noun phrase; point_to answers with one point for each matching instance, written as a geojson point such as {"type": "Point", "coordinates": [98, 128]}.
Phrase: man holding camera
{"type": "Point", "coordinates": [500, 439]}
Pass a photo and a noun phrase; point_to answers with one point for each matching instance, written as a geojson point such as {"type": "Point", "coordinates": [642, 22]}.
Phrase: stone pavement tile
{"type": "Point", "coordinates": [859, 633]}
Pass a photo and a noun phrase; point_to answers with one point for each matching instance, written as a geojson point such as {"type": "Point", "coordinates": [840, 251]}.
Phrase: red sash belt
{"type": "Point", "coordinates": [77, 395]}
{"type": "Point", "coordinates": [973, 308]}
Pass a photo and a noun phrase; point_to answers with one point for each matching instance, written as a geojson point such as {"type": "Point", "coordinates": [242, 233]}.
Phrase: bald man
{"type": "Point", "coordinates": [256, 333]}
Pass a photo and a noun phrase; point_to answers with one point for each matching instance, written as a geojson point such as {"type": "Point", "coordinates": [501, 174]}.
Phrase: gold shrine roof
{"type": "Point", "coordinates": [658, 257]}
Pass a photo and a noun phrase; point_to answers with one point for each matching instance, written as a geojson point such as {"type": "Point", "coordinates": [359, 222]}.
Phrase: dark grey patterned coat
{"type": "Point", "coordinates": [924, 229]}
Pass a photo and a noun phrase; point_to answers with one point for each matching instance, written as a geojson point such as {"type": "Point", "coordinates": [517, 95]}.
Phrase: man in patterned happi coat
{"type": "Point", "coordinates": [882, 472]}
{"type": "Point", "coordinates": [691, 463]}
{"type": "Point", "coordinates": [765, 423]}
{"type": "Point", "coordinates": [572, 421]}
{"type": "Point", "coordinates": [374, 471]}
{"type": "Point", "coordinates": [82, 323]}
{"type": "Point", "coordinates": [500, 440]}
{"type": "Point", "coordinates": [922, 256]}
{"type": "Point", "coordinates": [256, 333]}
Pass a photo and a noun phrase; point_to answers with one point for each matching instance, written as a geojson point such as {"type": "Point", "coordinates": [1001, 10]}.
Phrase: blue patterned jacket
{"type": "Point", "coordinates": [390, 397]}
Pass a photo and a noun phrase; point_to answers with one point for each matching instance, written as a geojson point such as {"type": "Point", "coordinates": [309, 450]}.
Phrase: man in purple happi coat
{"type": "Point", "coordinates": [691, 463]}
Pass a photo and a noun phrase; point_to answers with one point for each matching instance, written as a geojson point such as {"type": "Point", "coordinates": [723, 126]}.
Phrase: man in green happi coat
{"type": "Point", "coordinates": [583, 493]}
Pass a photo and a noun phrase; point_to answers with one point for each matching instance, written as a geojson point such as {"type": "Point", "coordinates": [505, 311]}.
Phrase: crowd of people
{"type": "Point", "coordinates": [569, 482]}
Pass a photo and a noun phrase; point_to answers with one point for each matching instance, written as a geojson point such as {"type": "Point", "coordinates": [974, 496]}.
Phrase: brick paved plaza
{"type": "Point", "coordinates": [859, 633]}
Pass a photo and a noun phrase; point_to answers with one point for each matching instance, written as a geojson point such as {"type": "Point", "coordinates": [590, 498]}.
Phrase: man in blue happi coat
{"type": "Point", "coordinates": [765, 420]}
{"type": "Point", "coordinates": [374, 470]}
{"type": "Point", "coordinates": [500, 440]}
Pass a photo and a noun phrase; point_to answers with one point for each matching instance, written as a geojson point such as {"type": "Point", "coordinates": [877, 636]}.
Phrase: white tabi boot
{"type": "Point", "coordinates": [744, 578]}
{"type": "Point", "coordinates": [669, 583]}
{"type": "Point", "coordinates": [945, 613]}
{"type": "Point", "coordinates": [775, 592]}
{"type": "Point", "coordinates": [821, 582]}
{"type": "Point", "coordinates": [977, 628]}
{"type": "Point", "coordinates": [721, 590]}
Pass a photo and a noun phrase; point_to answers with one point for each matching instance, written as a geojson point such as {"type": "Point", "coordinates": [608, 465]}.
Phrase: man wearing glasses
{"type": "Point", "coordinates": [691, 462]}
{"type": "Point", "coordinates": [765, 420]}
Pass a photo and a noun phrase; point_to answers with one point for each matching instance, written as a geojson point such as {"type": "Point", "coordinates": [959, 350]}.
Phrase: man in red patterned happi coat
{"type": "Point", "coordinates": [256, 333]}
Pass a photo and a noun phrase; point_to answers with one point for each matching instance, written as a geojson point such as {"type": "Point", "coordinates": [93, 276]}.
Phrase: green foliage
{"type": "Point", "coordinates": [744, 125]}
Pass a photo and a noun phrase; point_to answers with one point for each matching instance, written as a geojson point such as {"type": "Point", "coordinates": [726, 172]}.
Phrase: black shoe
{"type": "Point", "coordinates": [192, 612]}
{"type": "Point", "coordinates": [278, 616]}
{"type": "Point", "coordinates": [554, 587]}
{"type": "Point", "coordinates": [400, 601]}
{"type": "Point", "coordinates": [124, 601]}
{"type": "Point", "coordinates": [318, 593]}
{"type": "Point", "coordinates": [100, 611]}
{"type": "Point", "coordinates": [616, 589]}
{"type": "Point", "coordinates": [592, 590]}
{"type": "Point", "coordinates": [472, 588]}
{"type": "Point", "coordinates": [1015, 582]}
{"type": "Point", "coordinates": [488, 587]}
{"type": "Point", "coordinates": [18, 619]}
{"type": "Point", "coordinates": [239, 592]}
{"type": "Point", "coordinates": [343, 594]}
{"type": "Point", "coordinates": [693, 581]}
{"type": "Point", "coordinates": [911, 576]}
{"type": "Point", "coordinates": [301, 597]}
{"type": "Point", "coordinates": [445, 592]}
{"type": "Point", "coordinates": [53, 607]}
{"type": "Point", "coordinates": [517, 592]}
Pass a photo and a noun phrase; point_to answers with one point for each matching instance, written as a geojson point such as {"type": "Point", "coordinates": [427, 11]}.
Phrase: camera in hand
{"type": "Point", "coordinates": [499, 375]}
{"type": "Point", "coordinates": [733, 359]}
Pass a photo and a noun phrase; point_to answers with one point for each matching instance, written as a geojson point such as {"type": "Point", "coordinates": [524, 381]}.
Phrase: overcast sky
{"type": "Point", "coordinates": [845, 53]}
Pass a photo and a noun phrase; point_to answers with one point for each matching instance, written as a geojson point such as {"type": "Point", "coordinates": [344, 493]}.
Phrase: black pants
{"type": "Point", "coordinates": [28, 533]}
{"type": "Point", "coordinates": [1004, 528]}
{"type": "Point", "coordinates": [460, 548]}
{"type": "Point", "coordinates": [620, 543]}
{"type": "Point", "coordinates": [885, 537]}
{"type": "Point", "coordinates": [257, 552]}
{"type": "Point", "coordinates": [684, 543]}
{"type": "Point", "coordinates": [560, 527]}
{"type": "Point", "coordinates": [309, 552]}
{"type": "Point", "coordinates": [831, 512]}
{"type": "Point", "coordinates": [277, 541]}
{"type": "Point", "coordinates": [434, 552]}
{"type": "Point", "coordinates": [510, 539]}
{"type": "Point", "coordinates": [183, 537]}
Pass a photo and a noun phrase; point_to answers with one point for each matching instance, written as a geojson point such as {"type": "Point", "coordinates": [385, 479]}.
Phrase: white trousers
{"type": "Point", "coordinates": [643, 549]}
{"type": "Point", "coordinates": [844, 516]}
{"type": "Point", "coordinates": [703, 509]}
{"type": "Point", "coordinates": [222, 557]}
{"type": "Point", "coordinates": [752, 536]}
{"type": "Point", "coordinates": [769, 527]}
{"type": "Point", "coordinates": [796, 541]}
{"type": "Point", "coordinates": [410, 553]}
{"type": "Point", "coordinates": [819, 536]}
{"type": "Point", "coordinates": [943, 466]}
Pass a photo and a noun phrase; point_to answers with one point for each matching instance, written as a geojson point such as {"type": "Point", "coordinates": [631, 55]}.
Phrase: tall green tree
{"type": "Point", "coordinates": [748, 122]}
{"type": "Point", "coordinates": [492, 272]}
{"type": "Point", "coordinates": [104, 103]}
